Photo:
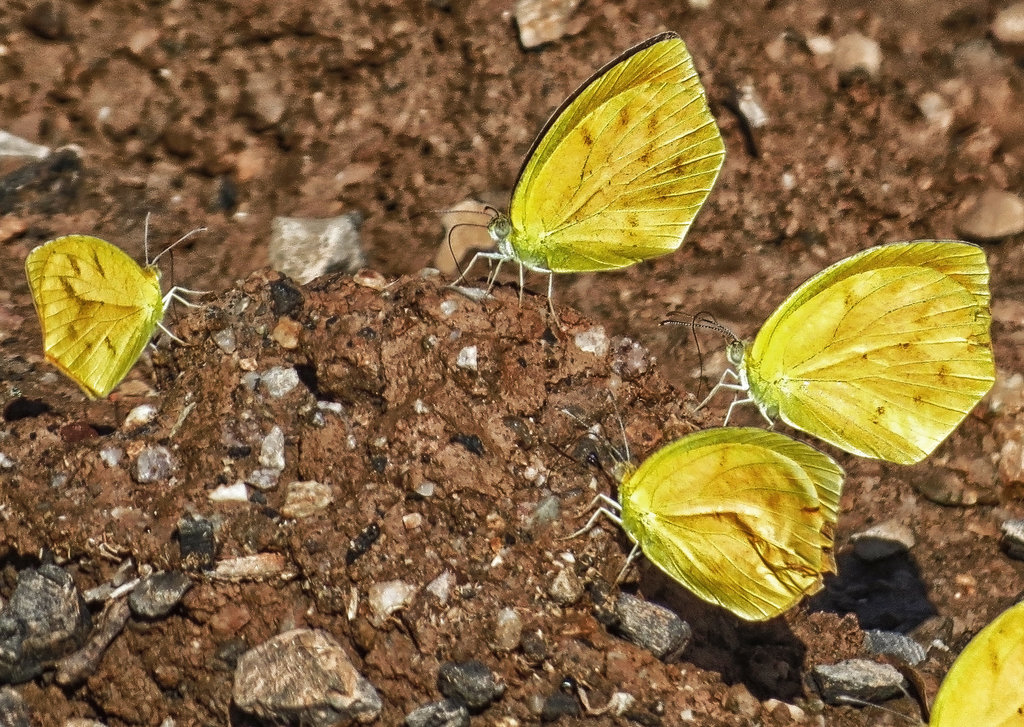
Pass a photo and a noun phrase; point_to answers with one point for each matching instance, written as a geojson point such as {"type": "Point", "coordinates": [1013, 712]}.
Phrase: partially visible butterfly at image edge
{"type": "Point", "coordinates": [97, 308]}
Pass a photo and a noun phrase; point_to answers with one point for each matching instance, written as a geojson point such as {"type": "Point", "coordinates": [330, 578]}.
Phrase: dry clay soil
{"type": "Point", "coordinates": [225, 115]}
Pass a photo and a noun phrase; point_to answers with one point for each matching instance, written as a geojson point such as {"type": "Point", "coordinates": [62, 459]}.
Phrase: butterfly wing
{"type": "Point", "coordinates": [742, 517]}
{"type": "Point", "coordinates": [620, 172]}
{"type": "Point", "coordinates": [884, 353]}
{"type": "Point", "coordinates": [96, 306]}
{"type": "Point", "coordinates": [985, 685]}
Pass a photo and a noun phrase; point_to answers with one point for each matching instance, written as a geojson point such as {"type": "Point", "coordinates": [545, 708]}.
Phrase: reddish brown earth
{"type": "Point", "coordinates": [225, 115]}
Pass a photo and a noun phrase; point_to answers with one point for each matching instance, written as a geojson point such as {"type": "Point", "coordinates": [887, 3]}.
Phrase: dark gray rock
{"type": "Point", "coordinates": [858, 679]}
{"type": "Point", "coordinates": [895, 644]}
{"type": "Point", "coordinates": [470, 683]}
{"type": "Point", "coordinates": [559, 705]}
{"type": "Point", "coordinates": [303, 677]}
{"type": "Point", "coordinates": [652, 627]}
{"type": "Point", "coordinates": [13, 710]}
{"type": "Point", "coordinates": [195, 538]}
{"type": "Point", "coordinates": [45, 619]}
{"type": "Point", "coordinates": [157, 594]}
{"type": "Point", "coordinates": [446, 713]}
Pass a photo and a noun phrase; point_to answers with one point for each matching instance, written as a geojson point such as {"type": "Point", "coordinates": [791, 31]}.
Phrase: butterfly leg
{"type": "Point", "coordinates": [176, 292]}
{"type": "Point", "coordinates": [169, 334]}
{"type": "Point", "coordinates": [551, 303]}
{"type": "Point", "coordinates": [609, 509]}
{"type": "Point", "coordinates": [739, 402]}
{"type": "Point", "coordinates": [723, 384]}
{"type": "Point", "coordinates": [629, 561]}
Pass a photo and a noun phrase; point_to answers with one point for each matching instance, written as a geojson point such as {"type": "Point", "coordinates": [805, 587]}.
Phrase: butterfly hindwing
{"type": "Point", "coordinates": [97, 308]}
{"type": "Point", "coordinates": [741, 517]}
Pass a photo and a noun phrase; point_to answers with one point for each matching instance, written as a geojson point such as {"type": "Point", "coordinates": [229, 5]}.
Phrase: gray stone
{"type": "Point", "coordinates": [303, 499]}
{"type": "Point", "coordinates": [858, 679]}
{"type": "Point", "coordinates": [547, 511]}
{"type": "Point", "coordinates": [470, 683]}
{"type": "Point", "coordinates": [154, 464]}
{"type": "Point", "coordinates": [272, 450]}
{"type": "Point", "coordinates": [446, 713]}
{"type": "Point", "coordinates": [508, 630]}
{"type": "Point", "coordinates": [15, 146]}
{"type": "Point", "coordinates": [1013, 538]}
{"type": "Point", "coordinates": [856, 52]}
{"type": "Point", "coordinates": [1008, 25]}
{"type": "Point", "coordinates": [882, 540]}
{"type": "Point", "coordinates": [652, 627]}
{"type": "Point", "coordinates": [543, 21]}
{"type": "Point", "coordinates": [195, 538]}
{"type": "Point", "coordinates": [45, 619]}
{"type": "Point", "coordinates": [995, 215]}
{"type": "Point", "coordinates": [304, 248]}
{"type": "Point", "coordinates": [13, 709]}
{"type": "Point", "coordinates": [158, 593]}
{"type": "Point", "coordinates": [895, 644]}
{"type": "Point", "coordinates": [388, 597]}
{"type": "Point", "coordinates": [279, 381]}
{"type": "Point", "coordinates": [558, 705]}
{"type": "Point", "coordinates": [566, 588]}
{"type": "Point", "coordinates": [303, 676]}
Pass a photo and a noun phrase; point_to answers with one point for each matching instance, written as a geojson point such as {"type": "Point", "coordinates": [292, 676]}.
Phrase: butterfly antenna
{"type": "Point", "coordinates": [174, 244]}
{"type": "Point", "coordinates": [705, 320]}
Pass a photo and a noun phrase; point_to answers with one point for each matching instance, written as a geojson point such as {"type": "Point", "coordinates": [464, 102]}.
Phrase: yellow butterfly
{"type": "Point", "coordinates": [882, 354]}
{"type": "Point", "coordinates": [985, 685]}
{"type": "Point", "coordinates": [97, 307]}
{"type": "Point", "coordinates": [742, 517]}
{"type": "Point", "coordinates": [618, 173]}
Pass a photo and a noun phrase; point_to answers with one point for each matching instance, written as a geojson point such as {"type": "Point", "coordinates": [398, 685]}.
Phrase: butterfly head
{"type": "Point", "coordinates": [500, 230]}
{"type": "Point", "coordinates": [735, 352]}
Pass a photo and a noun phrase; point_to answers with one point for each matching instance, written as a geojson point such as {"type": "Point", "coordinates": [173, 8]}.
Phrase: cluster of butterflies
{"type": "Point", "coordinates": [882, 354]}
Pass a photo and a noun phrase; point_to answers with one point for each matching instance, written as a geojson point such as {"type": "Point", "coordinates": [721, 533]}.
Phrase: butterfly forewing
{"type": "Point", "coordinates": [620, 173]}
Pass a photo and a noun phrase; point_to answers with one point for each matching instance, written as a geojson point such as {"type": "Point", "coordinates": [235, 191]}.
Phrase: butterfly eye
{"type": "Point", "coordinates": [735, 353]}
{"type": "Point", "coordinates": [500, 228]}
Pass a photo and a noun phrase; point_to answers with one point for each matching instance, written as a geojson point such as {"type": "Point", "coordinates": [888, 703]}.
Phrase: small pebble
{"type": "Point", "coordinates": [1013, 538]}
{"type": "Point", "coordinates": [446, 713]}
{"type": "Point", "coordinates": [196, 541]}
{"type": "Point", "coordinates": [995, 215]}
{"type": "Point", "coordinates": [543, 21]}
{"type": "Point", "coordinates": [286, 333]}
{"type": "Point", "coordinates": [856, 52]}
{"type": "Point", "coordinates": [821, 45]}
{"type": "Point", "coordinates": [1008, 26]}
{"type": "Point", "coordinates": [272, 450]}
{"type": "Point", "coordinates": [111, 456]}
{"type": "Point", "coordinates": [158, 593]}
{"type": "Point", "coordinates": [14, 711]}
{"type": "Point", "coordinates": [652, 627]}
{"type": "Point", "coordinates": [470, 683]}
{"type": "Point", "coordinates": [740, 701]}
{"type": "Point", "coordinates": [285, 297]}
{"type": "Point", "coordinates": [631, 359]}
{"type": "Point", "coordinates": [749, 104]}
{"type": "Point", "coordinates": [566, 589]}
{"type": "Point", "coordinates": [426, 489]}
{"type": "Point", "coordinates": [860, 679]}
{"type": "Point", "coordinates": [237, 492]}
{"type": "Point", "coordinates": [508, 630]}
{"type": "Point", "coordinates": [558, 705]}
{"type": "Point", "coordinates": [795, 713]}
{"type": "Point", "coordinates": [303, 499]}
{"type": "Point", "coordinates": [48, 20]}
{"type": "Point", "coordinates": [154, 464]}
{"type": "Point", "coordinates": [387, 598]}
{"type": "Point", "coordinates": [441, 587]}
{"type": "Point", "coordinates": [448, 307]}
{"type": "Point", "coordinates": [882, 540]}
{"type": "Point", "coordinates": [279, 381]}
{"type": "Point", "coordinates": [935, 109]}
{"type": "Point", "coordinates": [467, 358]}
{"type": "Point", "coordinates": [15, 146]}
{"type": "Point", "coordinates": [896, 644]}
{"type": "Point", "coordinates": [263, 479]}
{"type": "Point", "coordinates": [593, 340]}
{"type": "Point", "coordinates": [547, 511]}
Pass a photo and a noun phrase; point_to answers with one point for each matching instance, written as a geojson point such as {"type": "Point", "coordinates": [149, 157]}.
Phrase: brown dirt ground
{"type": "Point", "coordinates": [399, 109]}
